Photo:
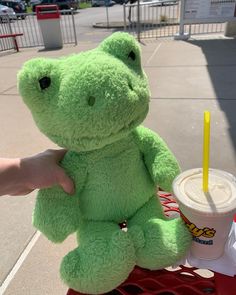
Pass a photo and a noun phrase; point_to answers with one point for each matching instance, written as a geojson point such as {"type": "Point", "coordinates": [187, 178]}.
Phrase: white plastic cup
{"type": "Point", "coordinates": [209, 216]}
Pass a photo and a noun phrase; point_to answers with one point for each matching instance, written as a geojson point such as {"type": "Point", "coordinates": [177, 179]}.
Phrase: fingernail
{"type": "Point", "coordinates": [71, 191]}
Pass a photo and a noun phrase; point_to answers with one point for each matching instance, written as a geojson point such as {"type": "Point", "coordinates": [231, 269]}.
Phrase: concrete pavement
{"type": "Point", "coordinates": [185, 78]}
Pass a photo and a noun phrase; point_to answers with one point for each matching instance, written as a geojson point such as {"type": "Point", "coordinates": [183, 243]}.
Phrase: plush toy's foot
{"type": "Point", "coordinates": [102, 262]}
{"type": "Point", "coordinates": [166, 242]}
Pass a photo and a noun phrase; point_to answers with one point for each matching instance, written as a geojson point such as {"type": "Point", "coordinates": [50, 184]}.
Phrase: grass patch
{"type": "Point", "coordinates": [84, 5]}
{"type": "Point", "coordinates": [29, 9]}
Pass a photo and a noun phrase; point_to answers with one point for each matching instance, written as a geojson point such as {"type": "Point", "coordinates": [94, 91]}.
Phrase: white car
{"type": "Point", "coordinates": [34, 2]}
{"type": "Point", "coordinates": [6, 12]}
{"type": "Point", "coordinates": [97, 3]}
{"type": "Point", "coordinates": [161, 2]}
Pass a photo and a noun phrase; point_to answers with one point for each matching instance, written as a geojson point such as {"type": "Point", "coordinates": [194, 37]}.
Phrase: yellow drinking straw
{"type": "Point", "coordinates": [206, 147]}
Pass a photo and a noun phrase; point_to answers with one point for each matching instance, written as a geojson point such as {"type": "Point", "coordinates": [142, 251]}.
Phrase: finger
{"type": "Point", "coordinates": [58, 154]}
{"type": "Point", "coordinates": [22, 192]}
{"type": "Point", "coordinates": [65, 182]}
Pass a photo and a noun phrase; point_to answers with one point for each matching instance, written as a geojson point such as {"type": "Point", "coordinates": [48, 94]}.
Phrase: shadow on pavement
{"type": "Point", "coordinates": [221, 64]}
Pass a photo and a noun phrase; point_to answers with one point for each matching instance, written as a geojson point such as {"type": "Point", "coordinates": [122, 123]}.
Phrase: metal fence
{"type": "Point", "coordinates": [32, 37]}
{"type": "Point", "coordinates": [5, 29]}
{"type": "Point", "coordinates": [209, 28]}
{"type": "Point", "coordinates": [156, 19]}
{"type": "Point", "coordinates": [152, 20]}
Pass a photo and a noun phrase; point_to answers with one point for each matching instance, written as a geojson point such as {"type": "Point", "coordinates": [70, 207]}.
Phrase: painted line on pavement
{"type": "Point", "coordinates": [155, 51]}
{"type": "Point", "coordinates": [19, 262]}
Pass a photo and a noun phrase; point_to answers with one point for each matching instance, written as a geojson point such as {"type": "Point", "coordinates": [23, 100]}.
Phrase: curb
{"type": "Point", "coordinates": [109, 25]}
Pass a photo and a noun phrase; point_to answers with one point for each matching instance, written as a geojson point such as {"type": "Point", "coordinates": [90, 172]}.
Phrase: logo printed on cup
{"type": "Point", "coordinates": [198, 232]}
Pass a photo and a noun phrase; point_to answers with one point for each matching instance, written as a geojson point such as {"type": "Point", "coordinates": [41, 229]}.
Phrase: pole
{"type": "Point", "coordinates": [107, 2]}
{"type": "Point", "coordinates": [124, 15]}
{"type": "Point", "coordinates": [181, 35]}
{"type": "Point", "coordinates": [73, 24]}
{"type": "Point", "coordinates": [138, 19]}
{"type": "Point", "coordinates": [181, 21]}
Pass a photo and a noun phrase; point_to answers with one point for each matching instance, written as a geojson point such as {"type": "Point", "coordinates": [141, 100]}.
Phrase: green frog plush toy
{"type": "Point", "coordinates": [92, 104]}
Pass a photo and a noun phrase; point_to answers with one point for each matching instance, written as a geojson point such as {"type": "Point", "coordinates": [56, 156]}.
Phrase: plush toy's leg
{"type": "Point", "coordinates": [165, 241]}
{"type": "Point", "coordinates": [103, 260]}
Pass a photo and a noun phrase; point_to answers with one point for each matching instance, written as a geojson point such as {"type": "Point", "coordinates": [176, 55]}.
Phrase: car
{"type": "Point", "coordinates": [6, 12]}
{"type": "Point", "coordinates": [162, 2]}
{"type": "Point", "coordinates": [33, 2]}
{"type": "Point", "coordinates": [17, 5]}
{"type": "Point", "coordinates": [62, 4]}
{"type": "Point", "coordinates": [97, 3]}
{"type": "Point", "coordinates": [121, 2]}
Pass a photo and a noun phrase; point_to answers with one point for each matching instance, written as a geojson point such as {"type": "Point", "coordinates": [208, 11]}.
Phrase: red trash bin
{"type": "Point", "coordinates": [48, 17]}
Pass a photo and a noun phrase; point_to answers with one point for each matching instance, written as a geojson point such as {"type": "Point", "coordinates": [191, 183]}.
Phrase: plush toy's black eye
{"type": "Point", "coordinates": [132, 55]}
{"type": "Point", "coordinates": [44, 82]}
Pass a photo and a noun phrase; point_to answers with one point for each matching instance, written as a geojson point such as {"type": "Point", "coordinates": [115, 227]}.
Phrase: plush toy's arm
{"type": "Point", "coordinates": [56, 213]}
{"type": "Point", "coordinates": [159, 160]}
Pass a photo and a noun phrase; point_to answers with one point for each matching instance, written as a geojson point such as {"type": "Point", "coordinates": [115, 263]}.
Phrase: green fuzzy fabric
{"type": "Point", "coordinates": [93, 104]}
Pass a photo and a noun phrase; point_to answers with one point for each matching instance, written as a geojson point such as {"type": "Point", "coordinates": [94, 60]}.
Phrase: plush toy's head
{"type": "Point", "coordinates": [86, 101]}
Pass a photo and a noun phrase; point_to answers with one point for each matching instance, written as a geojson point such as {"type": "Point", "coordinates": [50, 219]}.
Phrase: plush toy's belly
{"type": "Point", "coordinates": [116, 187]}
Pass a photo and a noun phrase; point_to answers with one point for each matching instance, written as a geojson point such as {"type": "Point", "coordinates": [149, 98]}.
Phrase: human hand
{"type": "Point", "coordinates": [43, 171]}
{"type": "Point", "coordinates": [22, 176]}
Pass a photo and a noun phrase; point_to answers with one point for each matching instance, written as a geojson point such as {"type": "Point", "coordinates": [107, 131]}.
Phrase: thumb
{"type": "Point", "coordinates": [65, 182]}
{"type": "Point", "coordinates": [59, 154]}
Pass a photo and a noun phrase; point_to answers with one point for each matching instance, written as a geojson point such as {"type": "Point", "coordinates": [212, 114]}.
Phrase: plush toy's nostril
{"type": "Point", "coordinates": [130, 86]}
{"type": "Point", "coordinates": [91, 100]}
